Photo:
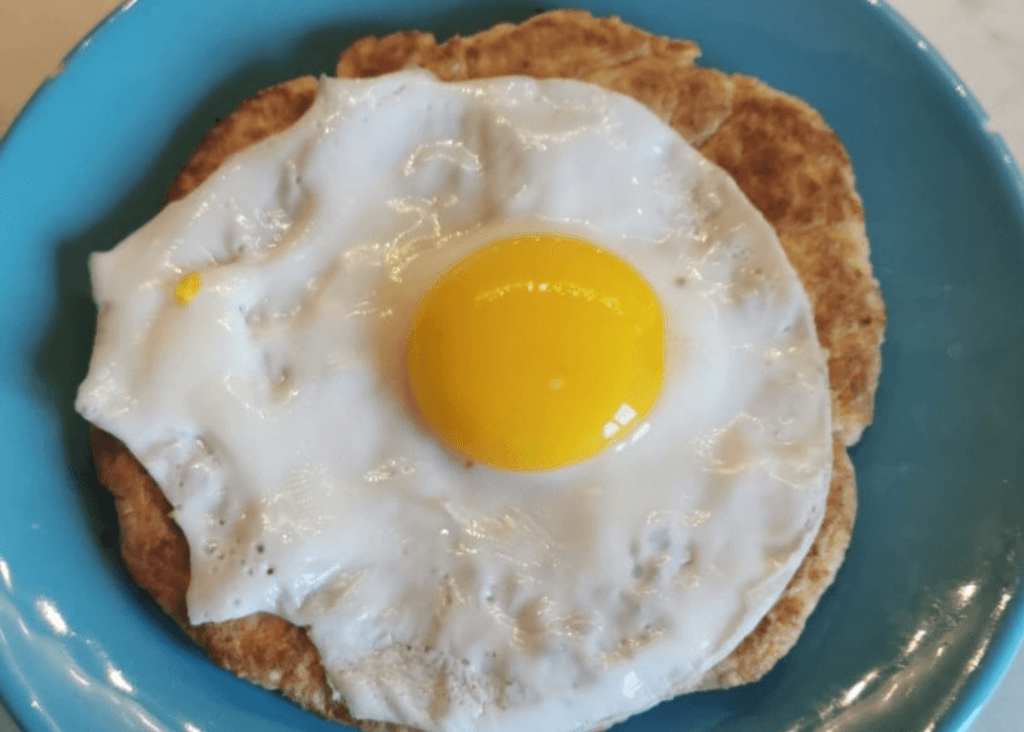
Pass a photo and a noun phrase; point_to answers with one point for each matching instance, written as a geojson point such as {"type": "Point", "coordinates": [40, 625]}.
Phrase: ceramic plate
{"type": "Point", "coordinates": [924, 615]}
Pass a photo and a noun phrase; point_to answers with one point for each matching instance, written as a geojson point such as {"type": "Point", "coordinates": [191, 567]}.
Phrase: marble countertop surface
{"type": "Point", "coordinates": [983, 40]}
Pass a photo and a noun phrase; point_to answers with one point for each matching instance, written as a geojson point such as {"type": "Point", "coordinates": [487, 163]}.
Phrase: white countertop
{"type": "Point", "coordinates": [982, 39]}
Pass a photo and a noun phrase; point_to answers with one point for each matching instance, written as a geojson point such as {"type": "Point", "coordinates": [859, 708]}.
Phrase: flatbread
{"type": "Point", "coordinates": [783, 156]}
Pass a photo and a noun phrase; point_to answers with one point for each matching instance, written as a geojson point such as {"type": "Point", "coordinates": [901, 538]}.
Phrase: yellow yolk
{"type": "Point", "coordinates": [536, 352]}
{"type": "Point", "coordinates": [188, 288]}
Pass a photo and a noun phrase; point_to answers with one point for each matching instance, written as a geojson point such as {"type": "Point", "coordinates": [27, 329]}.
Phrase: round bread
{"type": "Point", "coordinates": [780, 152]}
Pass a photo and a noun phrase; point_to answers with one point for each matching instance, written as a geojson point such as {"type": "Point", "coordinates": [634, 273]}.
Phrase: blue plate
{"type": "Point", "coordinates": [925, 614]}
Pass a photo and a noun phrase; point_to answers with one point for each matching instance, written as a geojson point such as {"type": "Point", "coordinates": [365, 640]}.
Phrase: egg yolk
{"type": "Point", "coordinates": [536, 352]}
{"type": "Point", "coordinates": [188, 288]}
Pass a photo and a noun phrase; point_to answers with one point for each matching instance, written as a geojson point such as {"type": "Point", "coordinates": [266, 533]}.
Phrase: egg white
{"type": "Point", "coordinates": [273, 412]}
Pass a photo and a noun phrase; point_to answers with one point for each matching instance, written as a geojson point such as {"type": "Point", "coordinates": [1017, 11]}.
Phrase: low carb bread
{"type": "Point", "coordinates": [782, 155]}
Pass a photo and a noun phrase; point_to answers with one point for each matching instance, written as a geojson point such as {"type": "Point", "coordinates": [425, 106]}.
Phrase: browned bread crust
{"type": "Point", "coordinates": [784, 157]}
{"type": "Point", "coordinates": [272, 110]}
{"type": "Point", "coordinates": [797, 173]}
{"type": "Point", "coordinates": [779, 630]}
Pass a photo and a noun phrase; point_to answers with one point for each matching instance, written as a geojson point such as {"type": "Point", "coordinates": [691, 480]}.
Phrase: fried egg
{"type": "Point", "coordinates": [497, 387]}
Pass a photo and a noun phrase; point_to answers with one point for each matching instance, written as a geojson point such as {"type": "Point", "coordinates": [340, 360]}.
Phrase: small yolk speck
{"type": "Point", "coordinates": [536, 352]}
{"type": "Point", "coordinates": [188, 288]}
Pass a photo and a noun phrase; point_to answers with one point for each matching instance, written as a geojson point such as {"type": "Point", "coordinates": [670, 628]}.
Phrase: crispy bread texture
{"type": "Point", "coordinates": [780, 152]}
